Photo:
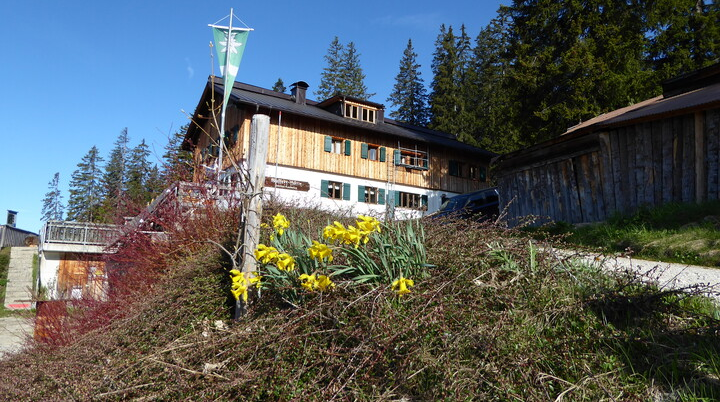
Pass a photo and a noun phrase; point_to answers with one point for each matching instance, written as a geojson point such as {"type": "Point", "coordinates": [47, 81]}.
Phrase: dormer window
{"type": "Point", "coordinates": [360, 112]}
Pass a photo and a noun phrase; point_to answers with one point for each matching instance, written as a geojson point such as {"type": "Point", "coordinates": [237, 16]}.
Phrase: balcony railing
{"type": "Point", "coordinates": [84, 233]}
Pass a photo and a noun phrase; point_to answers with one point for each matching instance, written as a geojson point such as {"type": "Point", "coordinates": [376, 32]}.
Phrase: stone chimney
{"type": "Point", "coordinates": [298, 90]}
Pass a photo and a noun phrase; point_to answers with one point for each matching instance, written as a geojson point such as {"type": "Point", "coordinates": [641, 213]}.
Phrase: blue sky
{"type": "Point", "coordinates": [75, 73]}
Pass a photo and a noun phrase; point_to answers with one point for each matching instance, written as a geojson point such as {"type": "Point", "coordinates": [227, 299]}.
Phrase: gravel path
{"type": "Point", "coordinates": [665, 274]}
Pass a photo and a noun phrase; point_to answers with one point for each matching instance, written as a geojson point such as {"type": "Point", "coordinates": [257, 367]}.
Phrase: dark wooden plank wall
{"type": "Point", "coordinates": [646, 164]}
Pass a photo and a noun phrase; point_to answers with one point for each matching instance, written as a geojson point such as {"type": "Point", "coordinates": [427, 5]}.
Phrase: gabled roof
{"type": "Point", "coordinates": [263, 98]}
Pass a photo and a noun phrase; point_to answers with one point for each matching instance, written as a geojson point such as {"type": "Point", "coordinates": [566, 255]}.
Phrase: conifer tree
{"type": "Point", "coordinates": [114, 179]}
{"type": "Point", "coordinates": [177, 162]}
{"type": "Point", "coordinates": [138, 172]}
{"type": "Point", "coordinates": [343, 73]}
{"type": "Point", "coordinates": [52, 208]}
{"type": "Point", "coordinates": [279, 86]}
{"type": "Point", "coordinates": [448, 104]}
{"type": "Point", "coordinates": [352, 78]}
{"type": "Point", "coordinates": [331, 76]}
{"type": "Point", "coordinates": [409, 96]}
{"type": "Point", "coordinates": [684, 36]}
{"type": "Point", "coordinates": [86, 188]}
{"type": "Point", "coordinates": [493, 100]}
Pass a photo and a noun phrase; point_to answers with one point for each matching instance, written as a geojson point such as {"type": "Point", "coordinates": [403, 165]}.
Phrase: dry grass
{"type": "Point", "coordinates": [496, 320]}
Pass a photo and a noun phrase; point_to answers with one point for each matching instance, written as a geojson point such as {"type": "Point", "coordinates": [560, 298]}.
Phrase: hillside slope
{"type": "Point", "coordinates": [495, 320]}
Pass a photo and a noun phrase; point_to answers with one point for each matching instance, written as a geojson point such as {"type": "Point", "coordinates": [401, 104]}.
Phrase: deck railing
{"type": "Point", "coordinates": [84, 233]}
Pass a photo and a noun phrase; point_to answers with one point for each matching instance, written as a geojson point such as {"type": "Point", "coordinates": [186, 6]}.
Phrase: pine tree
{"type": "Point", "coordinates": [574, 60]}
{"type": "Point", "coordinates": [279, 86]}
{"type": "Point", "coordinates": [409, 96]}
{"type": "Point", "coordinates": [352, 78]}
{"type": "Point", "coordinates": [52, 208]}
{"type": "Point", "coordinates": [343, 74]}
{"type": "Point", "coordinates": [448, 104]}
{"type": "Point", "coordinates": [684, 36]}
{"type": "Point", "coordinates": [114, 180]}
{"type": "Point", "coordinates": [331, 76]}
{"type": "Point", "coordinates": [138, 172]}
{"type": "Point", "coordinates": [177, 162]}
{"type": "Point", "coordinates": [494, 111]}
{"type": "Point", "coordinates": [86, 188]}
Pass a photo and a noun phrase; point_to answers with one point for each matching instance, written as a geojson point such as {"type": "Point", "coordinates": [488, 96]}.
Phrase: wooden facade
{"type": "Point", "coordinates": [663, 150]}
{"type": "Point", "coordinates": [360, 150]}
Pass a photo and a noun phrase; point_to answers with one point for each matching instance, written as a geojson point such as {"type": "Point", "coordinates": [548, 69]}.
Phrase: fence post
{"type": "Point", "coordinates": [252, 209]}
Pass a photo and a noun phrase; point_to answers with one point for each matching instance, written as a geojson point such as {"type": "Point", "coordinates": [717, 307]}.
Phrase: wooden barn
{"type": "Point", "coordinates": [665, 149]}
{"type": "Point", "coordinates": [340, 153]}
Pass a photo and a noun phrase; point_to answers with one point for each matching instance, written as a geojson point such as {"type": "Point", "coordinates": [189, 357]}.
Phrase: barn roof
{"type": "Point", "coordinates": [266, 99]}
{"type": "Point", "coordinates": [697, 90]}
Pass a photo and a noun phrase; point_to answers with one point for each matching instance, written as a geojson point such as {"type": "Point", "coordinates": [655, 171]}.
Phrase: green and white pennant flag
{"type": "Point", "coordinates": [230, 46]}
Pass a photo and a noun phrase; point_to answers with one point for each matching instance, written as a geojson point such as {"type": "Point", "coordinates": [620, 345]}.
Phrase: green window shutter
{"type": "Point", "coordinates": [381, 196]}
{"type": "Point", "coordinates": [324, 188]}
{"type": "Point", "coordinates": [453, 168]}
{"type": "Point", "coordinates": [424, 200]}
{"type": "Point", "coordinates": [328, 143]}
{"type": "Point", "coordinates": [396, 156]}
{"type": "Point", "coordinates": [396, 196]}
{"type": "Point", "coordinates": [382, 154]}
{"type": "Point", "coordinates": [361, 193]}
{"type": "Point", "coordinates": [347, 147]}
{"type": "Point", "coordinates": [425, 161]}
{"type": "Point", "coordinates": [364, 151]}
{"type": "Point", "coordinates": [483, 173]}
{"type": "Point", "coordinates": [346, 191]}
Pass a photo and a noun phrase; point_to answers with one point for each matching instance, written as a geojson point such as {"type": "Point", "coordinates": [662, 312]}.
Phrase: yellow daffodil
{"type": "Point", "coordinates": [352, 235]}
{"type": "Point", "coordinates": [368, 224]}
{"type": "Point", "coordinates": [239, 285]}
{"type": "Point", "coordinates": [241, 282]}
{"type": "Point", "coordinates": [264, 225]}
{"type": "Point", "coordinates": [307, 281]}
{"type": "Point", "coordinates": [266, 254]}
{"type": "Point", "coordinates": [280, 223]}
{"type": "Point", "coordinates": [323, 282]}
{"type": "Point", "coordinates": [334, 232]}
{"type": "Point", "coordinates": [320, 251]}
{"type": "Point", "coordinates": [401, 285]}
{"type": "Point", "coordinates": [285, 262]}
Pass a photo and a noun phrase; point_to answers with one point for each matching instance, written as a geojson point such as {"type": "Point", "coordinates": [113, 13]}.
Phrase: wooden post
{"type": "Point", "coordinates": [252, 209]}
{"type": "Point", "coordinates": [700, 180]}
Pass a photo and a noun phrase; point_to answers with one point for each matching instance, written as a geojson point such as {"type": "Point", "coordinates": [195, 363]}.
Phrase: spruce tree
{"type": "Point", "coordinates": [409, 97]}
{"type": "Point", "coordinates": [352, 78]}
{"type": "Point", "coordinates": [684, 36]}
{"type": "Point", "coordinates": [114, 180]}
{"type": "Point", "coordinates": [493, 102]}
{"type": "Point", "coordinates": [52, 208]}
{"type": "Point", "coordinates": [343, 73]}
{"type": "Point", "coordinates": [279, 86]}
{"type": "Point", "coordinates": [86, 188]}
{"type": "Point", "coordinates": [177, 162]}
{"type": "Point", "coordinates": [331, 76]}
{"type": "Point", "coordinates": [448, 104]}
{"type": "Point", "coordinates": [138, 172]}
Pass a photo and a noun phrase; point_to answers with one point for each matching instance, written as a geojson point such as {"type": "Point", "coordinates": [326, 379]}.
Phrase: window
{"type": "Point", "coordinates": [371, 195]}
{"type": "Point", "coordinates": [456, 169]}
{"type": "Point", "coordinates": [359, 112]}
{"type": "Point", "coordinates": [337, 145]}
{"type": "Point", "coordinates": [372, 152]}
{"type": "Point", "coordinates": [335, 190]}
{"type": "Point", "coordinates": [411, 158]}
{"type": "Point", "coordinates": [410, 200]}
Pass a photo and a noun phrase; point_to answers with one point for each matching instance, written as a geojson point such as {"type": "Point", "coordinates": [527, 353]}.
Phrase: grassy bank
{"type": "Point", "coordinates": [494, 319]}
{"type": "Point", "coordinates": [683, 233]}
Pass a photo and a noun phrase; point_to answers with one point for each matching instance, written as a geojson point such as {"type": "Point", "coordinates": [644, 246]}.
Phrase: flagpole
{"type": "Point", "coordinates": [221, 137]}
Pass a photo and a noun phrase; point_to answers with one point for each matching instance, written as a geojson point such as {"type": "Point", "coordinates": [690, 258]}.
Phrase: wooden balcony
{"type": "Point", "coordinates": [78, 233]}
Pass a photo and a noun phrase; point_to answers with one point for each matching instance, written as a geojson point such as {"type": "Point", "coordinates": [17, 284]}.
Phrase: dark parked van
{"type": "Point", "coordinates": [480, 205]}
